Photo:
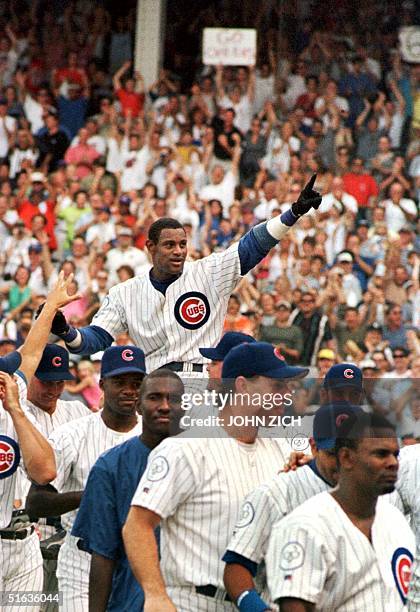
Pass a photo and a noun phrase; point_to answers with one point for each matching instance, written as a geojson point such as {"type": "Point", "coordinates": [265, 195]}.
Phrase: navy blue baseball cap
{"type": "Point", "coordinates": [228, 341]}
{"type": "Point", "coordinates": [10, 363]}
{"type": "Point", "coordinates": [343, 375]}
{"type": "Point", "coordinates": [122, 360]}
{"type": "Point", "coordinates": [54, 364]}
{"type": "Point", "coordinates": [259, 359]}
{"type": "Point", "coordinates": [327, 421]}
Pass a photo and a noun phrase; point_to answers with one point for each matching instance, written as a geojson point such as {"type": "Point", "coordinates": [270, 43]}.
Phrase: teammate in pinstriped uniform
{"type": "Point", "coordinates": [77, 445]}
{"type": "Point", "coordinates": [194, 487]}
{"type": "Point", "coordinates": [347, 550]}
{"type": "Point", "coordinates": [111, 485]}
{"type": "Point", "coordinates": [49, 411]}
{"type": "Point", "coordinates": [407, 498]}
{"type": "Point", "coordinates": [180, 306]}
{"type": "Point", "coordinates": [272, 501]}
{"type": "Point", "coordinates": [21, 443]}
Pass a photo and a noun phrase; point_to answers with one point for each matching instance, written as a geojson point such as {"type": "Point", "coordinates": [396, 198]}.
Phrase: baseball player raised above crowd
{"type": "Point", "coordinates": [272, 501]}
{"type": "Point", "coordinates": [347, 550]}
{"type": "Point", "coordinates": [179, 306]}
{"type": "Point", "coordinates": [77, 445]}
{"type": "Point", "coordinates": [111, 485]}
{"type": "Point", "coordinates": [194, 487]}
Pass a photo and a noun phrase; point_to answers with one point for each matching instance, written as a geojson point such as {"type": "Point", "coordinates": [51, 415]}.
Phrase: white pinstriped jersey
{"type": "Point", "coordinates": [318, 555]}
{"type": "Point", "coordinates": [408, 494]}
{"type": "Point", "coordinates": [197, 485]}
{"type": "Point", "coordinates": [172, 327]}
{"type": "Point", "coordinates": [77, 445]}
{"type": "Point", "coordinates": [64, 412]}
{"type": "Point", "coordinates": [10, 457]}
{"type": "Point", "coordinates": [267, 504]}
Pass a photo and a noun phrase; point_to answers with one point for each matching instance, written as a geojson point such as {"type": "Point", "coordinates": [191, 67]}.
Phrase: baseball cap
{"type": "Point", "coordinates": [125, 231]}
{"type": "Point", "coordinates": [122, 360]}
{"type": "Point", "coordinates": [345, 257]}
{"type": "Point", "coordinates": [343, 375]}
{"type": "Point", "coordinates": [259, 359]}
{"type": "Point", "coordinates": [368, 364]}
{"type": "Point", "coordinates": [37, 177]}
{"type": "Point", "coordinates": [375, 327]}
{"type": "Point", "coordinates": [228, 341]}
{"type": "Point", "coordinates": [54, 364]}
{"type": "Point", "coordinates": [11, 362]}
{"type": "Point", "coordinates": [326, 354]}
{"type": "Point", "coordinates": [36, 247]}
{"type": "Point", "coordinates": [327, 421]}
{"type": "Point", "coordinates": [283, 304]}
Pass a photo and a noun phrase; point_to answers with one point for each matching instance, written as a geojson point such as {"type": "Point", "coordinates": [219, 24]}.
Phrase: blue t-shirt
{"type": "Point", "coordinates": [103, 511]}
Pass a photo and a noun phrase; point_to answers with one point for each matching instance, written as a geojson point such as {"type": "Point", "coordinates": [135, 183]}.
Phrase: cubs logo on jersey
{"type": "Point", "coordinates": [401, 564]}
{"type": "Point", "coordinates": [9, 456]}
{"type": "Point", "coordinates": [192, 310]}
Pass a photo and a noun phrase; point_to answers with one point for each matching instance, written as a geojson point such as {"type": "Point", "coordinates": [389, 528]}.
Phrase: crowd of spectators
{"type": "Point", "coordinates": [90, 157]}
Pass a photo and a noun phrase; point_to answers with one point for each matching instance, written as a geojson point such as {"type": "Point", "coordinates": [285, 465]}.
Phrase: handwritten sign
{"type": "Point", "coordinates": [229, 46]}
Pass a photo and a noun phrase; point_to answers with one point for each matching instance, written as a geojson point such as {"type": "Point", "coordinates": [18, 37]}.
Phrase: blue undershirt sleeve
{"type": "Point", "coordinates": [94, 339]}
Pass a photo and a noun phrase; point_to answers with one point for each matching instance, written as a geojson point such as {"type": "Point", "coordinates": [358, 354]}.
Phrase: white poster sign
{"type": "Point", "coordinates": [410, 44]}
{"type": "Point", "coordinates": [229, 46]}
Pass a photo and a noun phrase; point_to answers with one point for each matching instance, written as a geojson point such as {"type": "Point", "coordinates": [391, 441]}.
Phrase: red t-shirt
{"type": "Point", "coordinates": [130, 101]}
{"type": "Point", "coordinates": [72, 75]}
{"type": "Point", "coordinates": [27, 210]}
{"type": "Point", "coordinates": [360, 186]}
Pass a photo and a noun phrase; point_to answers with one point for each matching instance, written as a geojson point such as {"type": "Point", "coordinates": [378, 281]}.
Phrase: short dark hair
{"type": "Point", "coordinates": [161, 224]}
{"type": "Point", "coordinates": [356, 427]}
{"type": "Point", "coordinates": [160, 373]}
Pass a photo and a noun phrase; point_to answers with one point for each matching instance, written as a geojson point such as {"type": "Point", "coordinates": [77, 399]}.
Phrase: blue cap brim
{"type": "Point", "coordinates": [287, 372]}
{"type": "Point", "coordinates": [325, 443]}
{"type": "Point", "coordinates": [10, 363]}
{"type": "Point", "coordinates": [211, 353]}
{"type": "Point", "coordinates": [126, 370]}
{"type": "Point", "coordinates": [54, 376]}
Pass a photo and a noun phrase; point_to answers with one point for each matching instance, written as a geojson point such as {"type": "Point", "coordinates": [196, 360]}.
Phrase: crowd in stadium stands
{"type": "Point", "coordinates": [89, 158]}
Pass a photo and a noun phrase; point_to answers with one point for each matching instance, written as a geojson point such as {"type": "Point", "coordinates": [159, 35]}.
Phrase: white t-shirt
{"type": "Point", "coordinates": [394, 216]}
{"type": "Point", "coordinates": [7, 124]}
{"type": "Point", "coordinates": [328, 200]}
{"type": "Point", "coordinates": [224, 191]}
{"type": "Point", "coordinates": [243, 112]}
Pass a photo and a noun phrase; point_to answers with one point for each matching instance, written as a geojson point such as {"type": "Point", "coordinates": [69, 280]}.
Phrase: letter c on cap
{"type": "Point", "coordinates": [56, 361]}
{"type": "Point", "coordinates": [349, 373]}
{"type": "Point", "coordinates": [127, 355]}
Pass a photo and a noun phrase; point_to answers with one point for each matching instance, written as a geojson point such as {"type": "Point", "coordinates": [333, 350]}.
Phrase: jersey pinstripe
{"type": "Point", "coordinates": [264, 506]}
{"type": "Point", "coordinates": [317, 554]}
{"type": "Point", "coordinates": [197, 485]}
{"type": "Point", "coordinates": [20, 560]}
{"type": "Point", "coordinates": [9, 456]}
{"type": "Point", "coordinates": [159, 324]}
{"type": "Point", "coordinates": [408, 495]}
{"type": "Point", "coordinates": [77, 445]}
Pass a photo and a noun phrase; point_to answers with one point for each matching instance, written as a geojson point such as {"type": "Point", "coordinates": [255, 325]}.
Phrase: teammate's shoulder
{"type": "Point", "coordinates": [76, 427]}
{"type": "Point", "coordinates": [74, 408]}
{"type": "Point", "coordinates": [130, 285]}
{"type": "Point", "coordinates": [410, 453]}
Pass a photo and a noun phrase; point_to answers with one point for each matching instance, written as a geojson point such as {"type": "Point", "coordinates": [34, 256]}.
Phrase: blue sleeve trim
{"type": "Point", "coordinates": [232, 557]}
{"type": "Point", "coordinates": [250, 601]}
{"type": "Point", "coordinates": [94, 339]}
{"type": "Point", "coordinates": [288, 218]}
{"type": "Point", "coordinates": [254, 246]}
{"type": "Point", "coordinates": [70, 335]}
{"type": "Point", "coordinates": [22, 376]}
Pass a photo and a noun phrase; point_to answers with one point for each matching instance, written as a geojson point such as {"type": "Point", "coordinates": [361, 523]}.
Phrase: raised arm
{"type": "Point", "coordinates": [116, 81]}
{"type": "Point", "coordinates": [37, 454]}
{"type": "Point", "coordinates": [37, 338]}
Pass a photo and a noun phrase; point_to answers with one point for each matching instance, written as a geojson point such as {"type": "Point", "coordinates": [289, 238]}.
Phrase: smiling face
{"type": "Point", "coordinates": [45, 394]}
{"type": "Point", "coordinates": [122, 393]}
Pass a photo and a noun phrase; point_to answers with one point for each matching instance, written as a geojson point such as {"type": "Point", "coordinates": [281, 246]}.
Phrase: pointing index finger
{"type": "Point", "coordinates": [310, 185]}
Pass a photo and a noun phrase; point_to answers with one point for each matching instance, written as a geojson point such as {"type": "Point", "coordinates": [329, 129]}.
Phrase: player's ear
{"type": "Point", "coordinates": [241, 384]}
{"type": "Point", "coordinates": [345, 459]}
{"type": "Point", "coordinates": [101, 384]}
{"type": "Point", "coordinates": [150, 246]}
